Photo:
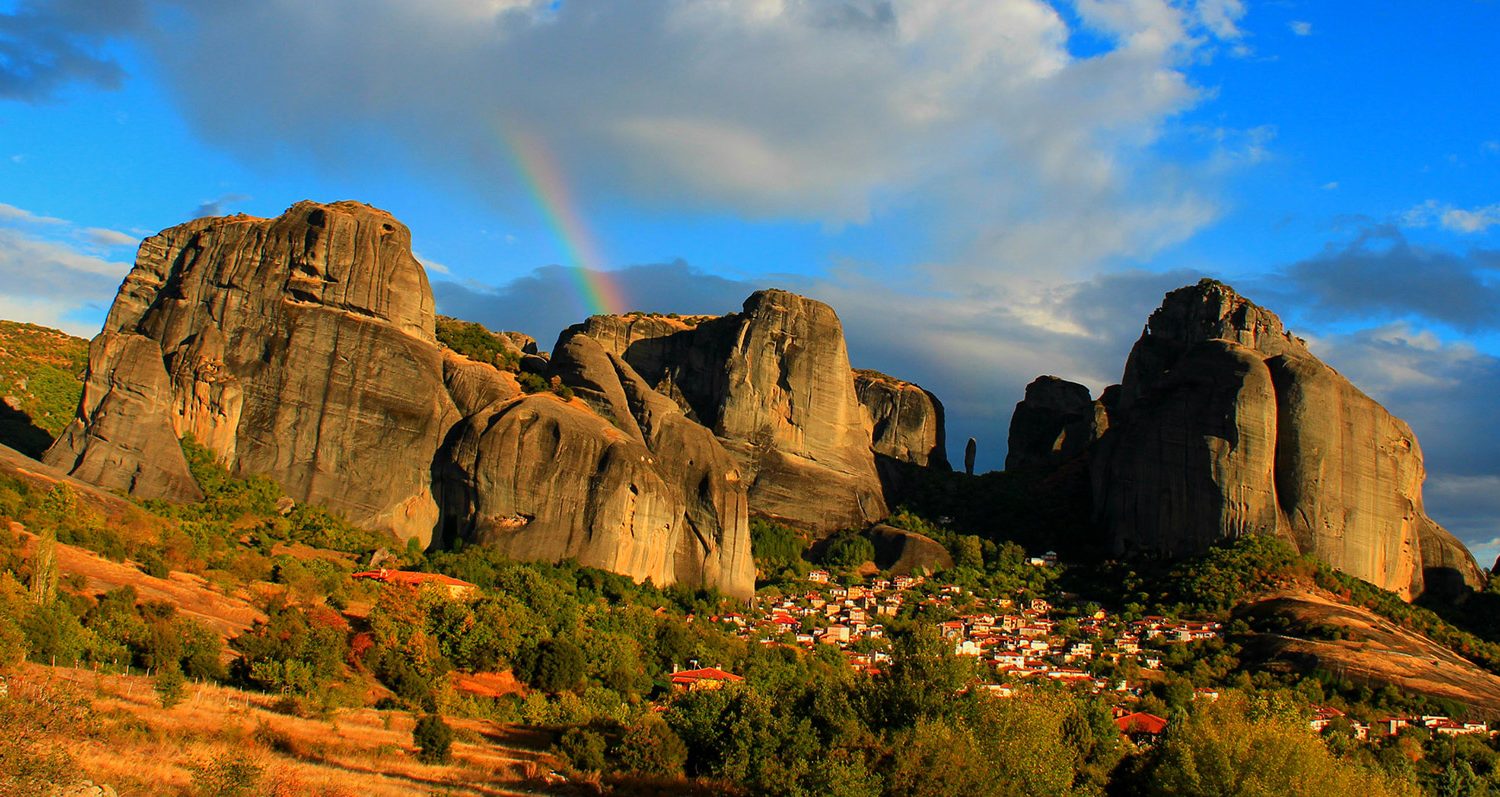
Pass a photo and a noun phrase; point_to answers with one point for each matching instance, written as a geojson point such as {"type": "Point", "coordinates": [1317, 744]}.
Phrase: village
{"type": "Point", "coordinates": [1014, 640]}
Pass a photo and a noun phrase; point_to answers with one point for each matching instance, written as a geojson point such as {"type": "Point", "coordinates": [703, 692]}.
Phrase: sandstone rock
{"type": "Point", "coordinates": [971, 450]}
{"type": "Point", "coordinates": [1055, 422]}
{"type": "Point", "coordinates": [473, 386]}
{"type": "Point", "coordinates": [773, 383]}
{"type": "Point", "coordinates": [906, 552]}
{"type": "Point", "coordinates": [906, 422]}
{"type": "Point", "coordinates": [544, 479]}
{"type": "Point", "coordinates": [1227, 425]}
{"type": "Point", "coordinates": [122, 437]}
{"type": "Point", "coordinates": [300, 347]}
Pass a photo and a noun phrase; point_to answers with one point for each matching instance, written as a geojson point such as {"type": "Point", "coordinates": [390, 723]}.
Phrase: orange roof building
{"type": "Point", "coordinates": [1141, 724]}
{"type": "Point", "coordinates": [704, 678]}
{"type": "Point", "coordinates": [408, 578]}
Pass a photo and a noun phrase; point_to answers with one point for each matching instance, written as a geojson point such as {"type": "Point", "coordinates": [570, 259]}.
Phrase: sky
{"type": "Point", "coordinates": [985, 190]}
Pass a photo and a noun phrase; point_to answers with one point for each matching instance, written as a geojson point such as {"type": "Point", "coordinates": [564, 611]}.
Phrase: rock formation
{"type": "Point", "coordinates": [1054, 423]}
{"type": "Point", "coordinates": [906, 552]}
{"type": "Point", "coordinates": [303, 348]}
{"type": "Point", "coordinates": [774, 384]}
{"type": "Point", "coordinates": [618, 478]}
{"type": "Point", "coordinates": [300, 348]}
{"type": "Point", "coordinates": [906, 422]}
{"type": "Point", "coordinates": [1227, 425]}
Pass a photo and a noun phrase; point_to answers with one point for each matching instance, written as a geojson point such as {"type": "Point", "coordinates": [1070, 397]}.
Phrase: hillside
{"type": "Point", "coordinates": [1308, 630]}
{"type": "Point", "coordinates": [41, 380]}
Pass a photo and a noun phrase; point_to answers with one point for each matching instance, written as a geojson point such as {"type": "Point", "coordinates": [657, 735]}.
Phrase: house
{"type": "Point", "coordinates": [454, 588]}
{"type": "Point", "coordinates": [818, 576]}
{"type": "Point", "coordinates": [703, 679]}
{"type": "Point", "coordinates": [1141, 726]}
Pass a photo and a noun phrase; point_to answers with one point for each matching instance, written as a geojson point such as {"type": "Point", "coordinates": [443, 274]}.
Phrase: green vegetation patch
{"type": "Point", "coordinates": [41, 381]}
{"type": "Point", "coordinates": [477, 343]}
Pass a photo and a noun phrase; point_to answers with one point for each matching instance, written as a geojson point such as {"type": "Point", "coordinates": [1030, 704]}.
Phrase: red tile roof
{"type": "Point", "coordinates": [704, 674]}
{"type": "Point", "coordinates": [411, 578]}
{"type": "Point", "coordinates": [1141, 722]}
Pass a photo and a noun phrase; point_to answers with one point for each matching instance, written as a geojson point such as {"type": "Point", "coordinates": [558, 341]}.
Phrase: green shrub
{"type": "Point", "coordinates": [235, 775]}
{"type": "Point", "coordinates": [170, 685]}
{"type": "Point", "coordinates": [434, 740]}
{"type": "Point", "coordinates": [532, 383]}
{"type": "Point", "coordinates": [475, 342]}
{"type": "Point", "coordinates": [584, 749]}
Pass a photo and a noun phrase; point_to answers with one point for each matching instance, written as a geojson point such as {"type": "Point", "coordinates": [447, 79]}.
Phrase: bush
{"type": "Point", "coordinates": [170, 685]}
{"type": "Point", "coordinates": [236, 775]}
{"type": "Point", "coordinates": [532, 383]}
{"type": "Point", "coordinates": [584, 749]}
{"type": "Point", "coordinates": [434, 740]}
{"type": "Point", "coordinates": [475, 342]}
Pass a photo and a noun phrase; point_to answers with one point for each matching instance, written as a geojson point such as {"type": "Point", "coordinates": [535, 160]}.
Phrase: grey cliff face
{"type": "Point", "coordinates": [773, 383]}
{"type": "Point", "coordinates": [303, 348]}
{"type": "Point", "coordinates": [905, 421]}
{"type": "Point", "coordinates": [1227, 425]}
{"type": "Point", "coordinates": [299, 347]}
{"type": "Point", "coordinates": [1055, 422]}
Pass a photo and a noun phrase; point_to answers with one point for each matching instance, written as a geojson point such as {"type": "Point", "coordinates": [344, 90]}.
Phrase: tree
{"type": "Point", "coordinates": [1226, 748]}
{"type": "Point", "coordinates": [560, 666]}
{"type": "Point", "coordinates": [434, 740]}
{"type": "Point", "coordinates": [44, 569]}
{"type": "Point", "coordinates": [169, 685]}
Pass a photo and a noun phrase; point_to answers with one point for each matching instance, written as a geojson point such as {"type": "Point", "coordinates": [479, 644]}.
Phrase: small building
{"type": "Point", "coordinates": [1141, 726]}
{"type": "Point", "coordinates": [818, 576]}
{"type": "Point", "coordinates": [703, 679]}
{"type": "Point", "coordinates": [455, 588]}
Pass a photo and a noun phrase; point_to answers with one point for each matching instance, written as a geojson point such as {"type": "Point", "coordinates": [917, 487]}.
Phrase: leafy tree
{"type": "Point", "coordinates": [560, 666]}
{"type": "Point", "coordinates": [169, 685]}
{"type": "Point", "coordinates": [649, 746]}
{"type": "Point", "coordinates": [848, 549]}
{"type": "Point", "coordinates": [434, 740]}
{"type": "Point", "coordinates": [1228, 747]}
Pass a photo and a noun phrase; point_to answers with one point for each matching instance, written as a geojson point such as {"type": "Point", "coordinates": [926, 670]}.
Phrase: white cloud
{"type": "Point", "coordinates": [969, 111]}
{"type": "Point", "coordinates": [53, 273]}
{"type": "Point", "coordinates": [1454, 219]}
{"type": "Point", "coordinates": [430, 264]}
{"type": "Point", "coordinates": [13, 214]}
{"type": "Point", "coordinates": [108, 237]}
{"type": "Point", "coordinates": [1476, 220]}
{"type": "Point", "coordinates": [1331, 185]}
{"type": "Point", "coordinates": [1300, 27]}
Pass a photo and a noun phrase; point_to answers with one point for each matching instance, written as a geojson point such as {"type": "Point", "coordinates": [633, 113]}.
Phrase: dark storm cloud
{"type": "Point", "coordinates": [1446, 391]}
{"type": "Point", "coordinates": [976, 354]}
{"type": "Point", "coordinates": [45, 46]}
{"type": "Point", "coordinates": [547, 300]}
{"type": "Point", "coordinates": [1381, 273]}
{"type": "Point", "coordinates": [218, 206]}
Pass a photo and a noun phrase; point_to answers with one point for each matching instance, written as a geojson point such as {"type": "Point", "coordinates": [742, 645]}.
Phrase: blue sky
{"type": "Point", "coordinates": [986, 190]}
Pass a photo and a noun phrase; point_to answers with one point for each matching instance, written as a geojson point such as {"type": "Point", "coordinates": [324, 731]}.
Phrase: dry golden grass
{"type": "Point", "coordinates": [140, 748]}
{"type": "Point", "coordinates": [193, 596]}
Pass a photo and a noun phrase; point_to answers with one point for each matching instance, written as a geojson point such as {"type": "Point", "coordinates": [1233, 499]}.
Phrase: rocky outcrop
{"type": "Point", "coordinates": [304, 348]}
{"type": "Point", "coordinates": [906, 422]}
{"type": "Point", "coordinates": [774, 384]}
{"type": "Point", "coordinates": [122, 438]}
{"type": "Point", "coordinates": [905, 552]}
{"type": "Point", "coordinates": [299, 347]}
{"type": "Point", "coordinates": [636, 469]}
{"type": "Point", "coordinates": [1055, 422]}
{"type": "Point", "coordinates": [543, 479]}
{"type": "Point", "coordinates": [1227, 425]}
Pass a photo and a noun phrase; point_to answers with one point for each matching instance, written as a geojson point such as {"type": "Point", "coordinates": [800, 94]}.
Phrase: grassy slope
{"type": "Point", "coordinates": [41, 371]}
{"type": "Point", "coordinates": [126, 739]}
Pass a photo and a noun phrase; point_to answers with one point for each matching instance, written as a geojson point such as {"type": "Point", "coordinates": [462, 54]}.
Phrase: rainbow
{"type": "Point", "coordinates": [599, 293]}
